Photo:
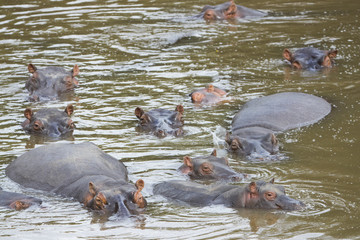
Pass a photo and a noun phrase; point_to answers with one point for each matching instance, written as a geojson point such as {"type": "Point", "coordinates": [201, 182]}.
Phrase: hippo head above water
{"type": "Point", "coordinates": [48, 83]}
{"type": "Point", "coordinates": [208, 95]}
{"type": "Point", "coordinates": [122, 199]}
{"type": "Point", "coordinates": [310, 58]}
{"type": "Point", "coordinates": [161, 122]}
{"type": "Point", "coordinates": [260, 143]}
{"type": "Point", "coordinates": [209, 167]}
{"type": "Point", "coordinates": [267, 195]}
{"type": "Point", "coordinates": [228, 10]}
{"type": "Point", "coordinates": [49, 122]}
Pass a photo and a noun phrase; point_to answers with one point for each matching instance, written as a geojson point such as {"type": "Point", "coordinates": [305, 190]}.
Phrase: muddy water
{"type": "Point", "coordinates": [149, 54]}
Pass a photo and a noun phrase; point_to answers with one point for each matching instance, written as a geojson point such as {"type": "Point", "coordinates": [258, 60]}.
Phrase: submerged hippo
{"type": "Point", "coordinates": [253, 127]}
{"type": "Point", "coordinates": [208, 95]}
{"type": "Point", "coordinates": [161, 122]}
{"type": "Point", "coordinates": [17, 201]}
{"type": "Point", "coordinates": [209, 167]}
{"type": "Point", "coordinates": [310, 58]}
{"type": "Point", "coordinates": [254, 195]}
{"type": "Point", "coordinates": [80, 171]}
{"type": "Point", "coordinates": [228, 10]}
{"type": "Point", "coordinates": [48, 83]}
{"type": "Point", "coordinates": [49, 122]}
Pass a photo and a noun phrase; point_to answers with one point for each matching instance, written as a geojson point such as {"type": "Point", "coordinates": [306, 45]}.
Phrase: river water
{"type": "Point", "coordinates": [150, 54]}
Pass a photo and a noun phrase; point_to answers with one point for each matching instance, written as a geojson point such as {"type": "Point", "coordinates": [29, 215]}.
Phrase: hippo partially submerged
{"type": "Point", "coordinates": [49, 122]}
{"type": "Point", "coordinates": [310, 58]}
{"type": "Point", "coordinates": [17, 201]}
{"type": "Point", "coordinates": [161, 122]}
{"type": "Point", "coordinates": [209, 167]}
{"type": "Point", "coordinates": [207, 95]}
{"type": "Point", "coordinates": [253, 127]}
{"type": "Point", "coordinates": [80, 171]}
{"type": "Point", "coordinates": [50, 82]}
{"type": "Point", "coordinates": [258, 194]}
{"type": "Point", "coordinates": [228, 10]}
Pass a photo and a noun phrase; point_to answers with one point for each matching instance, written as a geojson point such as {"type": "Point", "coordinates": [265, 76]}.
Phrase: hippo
{"type": "Point", "coordinates": [253, 127]}
{"type": "Point", "coordinates": [207, 95]}
{"type": "Point", "coordinates": [209, 167]}
{"type": "Point", "coordinates": [260, 194]}
{"type": "Point", "coordinates": [161, 122]}
{"type": "Point", "coordinates": [50, 82]}
{"type": "Point", "coordinates": [49, 122]}
{"type": "Point", "coordinates": [310, 58]}
{"type": "Point", "coordinates": [17, 201]}
{"type": "Point", "coordinates": [82, 172]}
{"type": "Point", "coordinates": [228, 10]}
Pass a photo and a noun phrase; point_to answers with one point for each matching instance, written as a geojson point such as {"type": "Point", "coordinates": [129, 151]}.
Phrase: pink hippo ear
{"type": "Point", "coordinates": [179, 108]}
{"type": "Point", "coordinates": [332, 53]}
{"type": "Point", "coordinates": [210, 88]}
{"type": "Point", "coordinates": [287, 54]}
{"type": "Point", "coordinates": [296, 65]}
{"type": "Point", "coordinates": [69, 110]}
{"type": "Point", "coordinates": [75, 70]}
{"type": "Point", "coordinates": [138, 197]}
{"type": "Point", "coordinates": [188, 162]}
{"type": "Point", "coordinates": [253, 190]}
{"type": "Point", "coordinates": [231, 11]}
{"type": "Point", "coordinates": [213, 153]}
{"type": "Point", "coordinates": [31, 68]}
{"type": "Point", "coordinates": [92, 189]}
{"type": "Point", "coordinates": [28, 113]}
{"type": "Point", "coordinates": [139, 112]}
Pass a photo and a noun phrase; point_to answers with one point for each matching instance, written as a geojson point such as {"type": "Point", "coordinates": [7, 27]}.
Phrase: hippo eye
{"type": "Point", "coordinates": [270, 196]}
{"type": "Point", "coordinates": [37, 126]}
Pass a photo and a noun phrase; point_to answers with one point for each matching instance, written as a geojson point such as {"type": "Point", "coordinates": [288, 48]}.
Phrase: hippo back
{"type": "Point", "coordinates": [281, 111]}
{"type": "Point", "coordinates": [60, 164]}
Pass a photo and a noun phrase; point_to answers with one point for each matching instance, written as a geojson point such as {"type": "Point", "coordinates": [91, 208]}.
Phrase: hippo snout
{"type": "Point", "coordinates": [286, 203]}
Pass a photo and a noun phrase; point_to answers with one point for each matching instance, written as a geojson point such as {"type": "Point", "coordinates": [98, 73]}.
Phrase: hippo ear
{"type": "Point", "coordinates": [28, 113]}
{"type": "Point", "coordinates": [31, 68]}
{"type": "Point", "coordinates": [179, 108]}
{"type": "Point", "coordinates": [69, 110]}
{"type": "Point", "coordinates": [253, 190]}
{"type": "Point", "coordinates": [272, 181]}
{"type": "Point", "coordinates": [210, 88]}
{"type": "Point", "coordinates": [188, 162]}
{"type": "Point", "coordinates": [272, 138]}
{"type": "Point", "coordinates": [332, 54]}
{"type": "Point", "coordinates": [287, 54]}
{"type": "Point", "coordinates": [231, 11]}
{"type": "Point", "coordinates": [75, 70]}
{"type": "Point", "coordinates": [139, 112]}
{"type": "Point", "coordinates": [213, 153]}
{"type": "Point", "coordinates": [140, 184]}
{"type": "Point", "coordinates": [296, 65]}
{"type": "Point", "coordinates": [92, 189]}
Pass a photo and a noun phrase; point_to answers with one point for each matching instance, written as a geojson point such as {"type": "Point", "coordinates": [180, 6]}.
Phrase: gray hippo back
{"type": "Point", "coordinates": [253, 127]}
{"type": "Point", "coordinates": [282, 111]}
{"type": "Point", "coordinates": [51, 166]}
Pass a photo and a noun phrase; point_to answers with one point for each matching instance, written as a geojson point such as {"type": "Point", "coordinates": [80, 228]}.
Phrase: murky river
{"type": "Point", "coordinates": [149, 54]}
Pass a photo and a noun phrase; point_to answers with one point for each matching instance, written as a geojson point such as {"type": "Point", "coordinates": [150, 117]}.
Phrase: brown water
{"type": "Point", "coordinates": [147, 53]}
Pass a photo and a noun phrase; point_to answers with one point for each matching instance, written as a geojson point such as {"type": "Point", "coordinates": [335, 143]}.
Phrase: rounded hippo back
{"type": "Point", "coordinates": [51, 166]}
{"type": "Point", "coordinates": [281, 111]}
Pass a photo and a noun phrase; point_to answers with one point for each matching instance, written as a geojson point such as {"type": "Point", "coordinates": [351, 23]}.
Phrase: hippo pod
{"type": "Point", "coordinates": [49, 122]}
{"type": "Point", "coordinates": [209, 167]}
{"type": "Point", "coordinates": [161, 122]}
{"type": "Point", "coordinates": [50, 82]}
{"type": "Point", "coordinates": [208, 95]}
{"type": "Point", "coordinates": [80, 171]}
{"type": "Point", "coordinates": [228, 10]}
{"type": "Point", "coordinates": [310, 58]}
{"type": "Point", "coordinates": [254, 195]}
{"type": "Point", "coordinates": [253, 127]}
{"type": "Point", "coordinates": [17, 201]}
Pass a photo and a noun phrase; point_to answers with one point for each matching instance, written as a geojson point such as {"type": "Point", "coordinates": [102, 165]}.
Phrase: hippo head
{"type": "Point", "coordinates": [24, 203]}
{"type": "Point", "coordinates": [121, 200]}
{"type": "Point", "coordinates": [50, 81]}
{"type": "Point", "coordinates": [49, 122]}
{"type": "Point", "coordinates": [267, 195]}
{"type": "Point", "coordinates": [208, 95]}
{"type": "Point", "coordinates": [161, 122]}
{"type": "Point", "coordinates": [220, 12]}
{"type": "Point", "coordinates": [263, 145]}
{"type": "Point", "coordinates": [310, 58]}
{"type": "Point", "coordinates": [210, 167]}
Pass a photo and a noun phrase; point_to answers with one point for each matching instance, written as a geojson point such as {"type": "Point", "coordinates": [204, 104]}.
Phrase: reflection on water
{"type": "Point", "coordinates": [151, 54]}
